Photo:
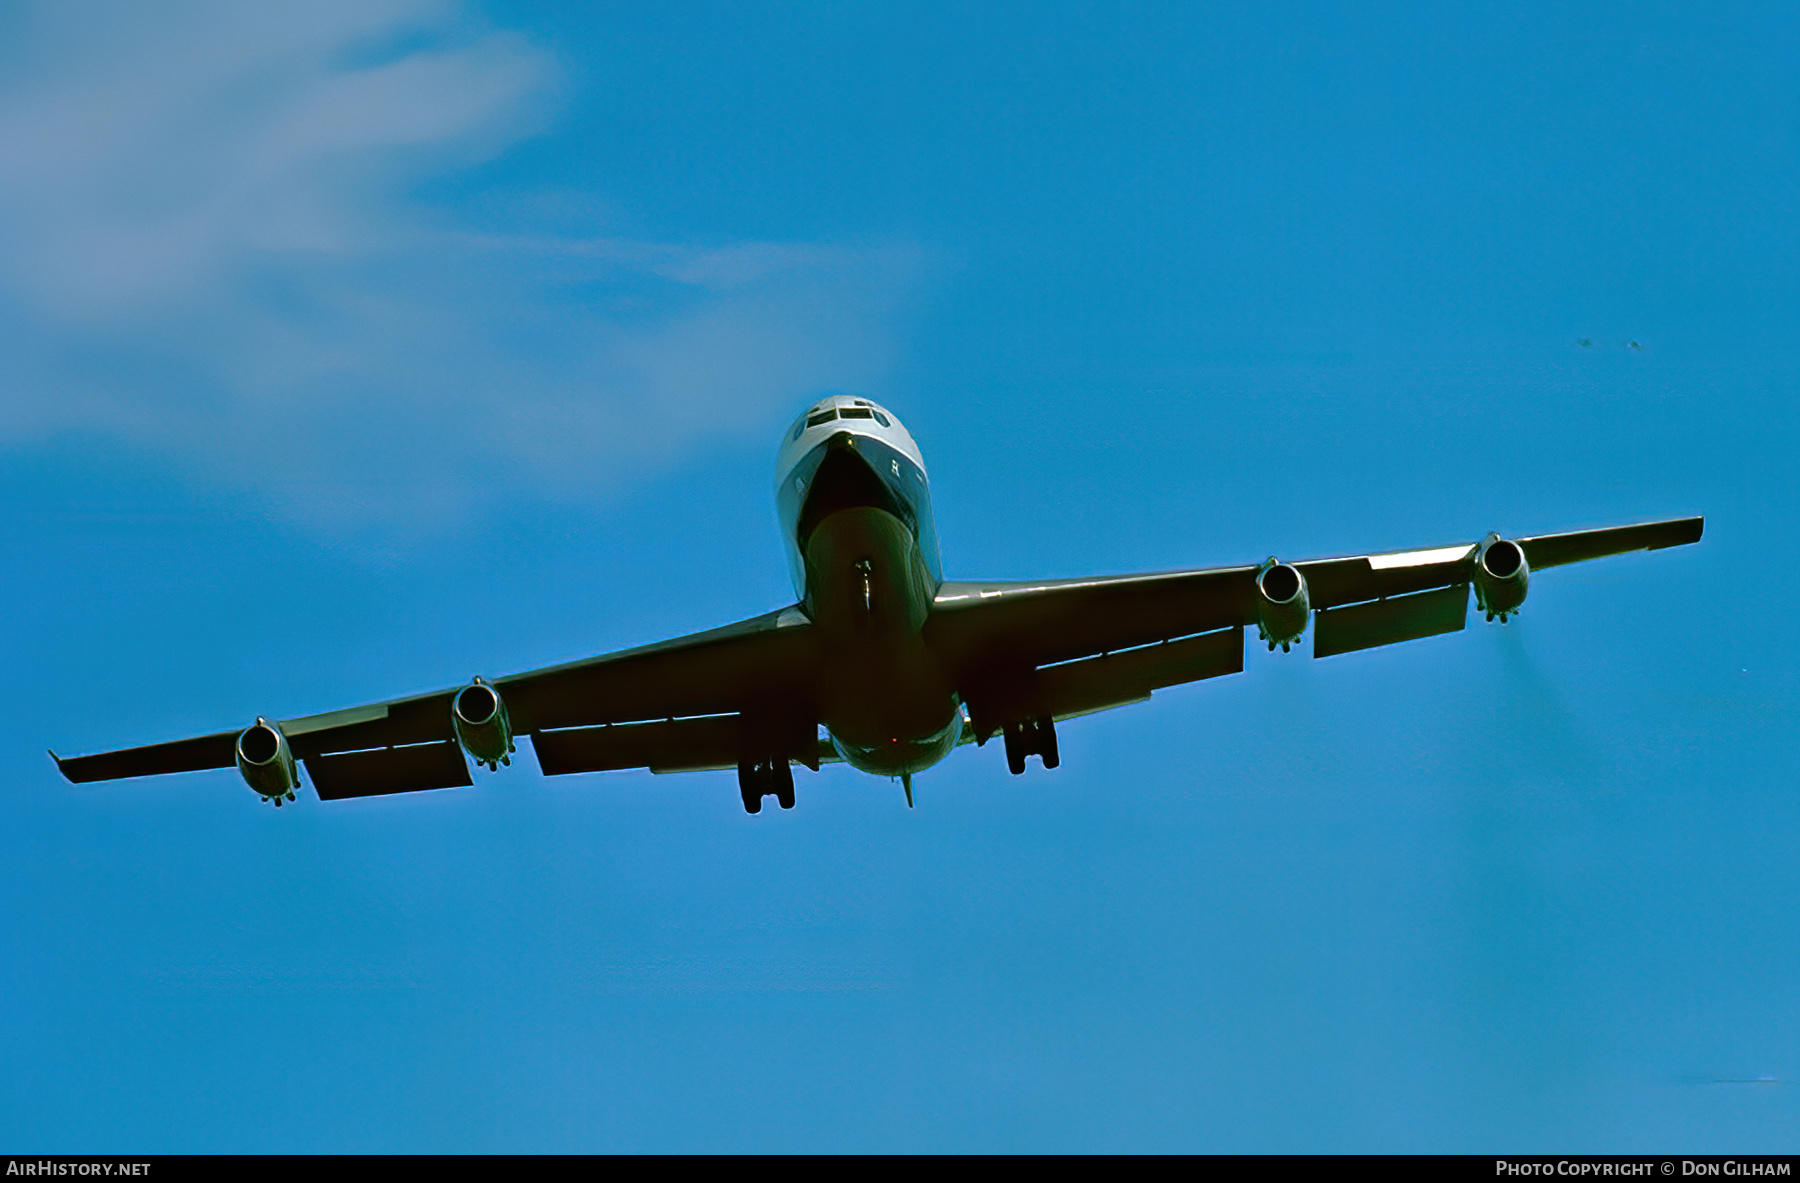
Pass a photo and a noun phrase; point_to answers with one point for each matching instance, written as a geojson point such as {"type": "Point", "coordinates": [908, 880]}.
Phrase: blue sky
{"type": "Point", "coordinates": [353, 350]}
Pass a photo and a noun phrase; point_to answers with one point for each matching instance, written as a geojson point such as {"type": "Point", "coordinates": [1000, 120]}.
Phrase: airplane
{"type": "Point", "coordinates": [895, 664]}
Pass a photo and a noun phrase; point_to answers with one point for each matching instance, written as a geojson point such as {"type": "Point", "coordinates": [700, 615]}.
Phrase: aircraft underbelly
{"type": "Point", "coordinates": [883, 694]}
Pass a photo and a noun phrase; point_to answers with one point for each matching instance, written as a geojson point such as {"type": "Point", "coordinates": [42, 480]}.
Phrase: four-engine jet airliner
{"type": "Point", "coordinates": [896, 664]}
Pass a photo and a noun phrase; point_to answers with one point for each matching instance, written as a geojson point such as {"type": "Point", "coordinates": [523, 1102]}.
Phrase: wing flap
{"type": "Point", "coordinates": [408, 769]}
{"type": "Point", "coordinates": [983, 626]}
{"type": "Point", "coordinates": [405, 722]}
{"type": "Point", "coordinates": [1334, 582]}
{"type": "Point", "coordinates": [1387, 622]}
{"type": "Point", "coordinates": [1097, 683]}
{"type": "Point", "coordinates": [674, 745]}
{"type": "Point", "coordinates": [666, 746]}
{"type": "Point", "coordinates": [765, 659]}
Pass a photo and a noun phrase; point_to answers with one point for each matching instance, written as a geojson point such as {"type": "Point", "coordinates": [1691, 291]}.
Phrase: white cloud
{"type": "Point", "coordinates": [207, 247]}
{"type": "Point", "coordinates": [144, 160]}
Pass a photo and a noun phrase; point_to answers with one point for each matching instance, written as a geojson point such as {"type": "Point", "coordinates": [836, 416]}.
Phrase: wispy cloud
{"type": "Point", "coordinates": [209, 247]}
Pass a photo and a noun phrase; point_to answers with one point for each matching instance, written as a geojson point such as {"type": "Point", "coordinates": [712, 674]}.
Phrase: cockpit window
{"type": "Point", "coordinates": [800, 427]}
{"type": "Point", "coordinates": [821, 417]}
{"type": "Point", "coordinates": [882, 419]}
{"type": "Point", "coordinates": [856, 413]}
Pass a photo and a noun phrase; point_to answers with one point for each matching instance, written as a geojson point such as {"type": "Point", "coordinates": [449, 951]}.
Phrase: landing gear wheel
{"type": "Point", "coordinates": [1046, 741]}
{"type": "Point", "coordinates": [1015, 748]}
{"type": "Point", "coordinates": [759, 778]}
{"type": "Point", "coordinates": [750, 787]}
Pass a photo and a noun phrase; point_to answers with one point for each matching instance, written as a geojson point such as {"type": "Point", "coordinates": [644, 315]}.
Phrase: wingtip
{"type": "Point", "coordinates": [1694, 530]}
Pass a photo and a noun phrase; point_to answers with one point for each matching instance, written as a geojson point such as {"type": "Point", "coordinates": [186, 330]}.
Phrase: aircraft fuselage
{"type": "Point", "coordinates": [855, 507]}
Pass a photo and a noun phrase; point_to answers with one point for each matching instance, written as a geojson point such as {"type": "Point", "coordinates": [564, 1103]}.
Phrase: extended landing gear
{"type": "Point", "coordinates": [759, 778]}
{"type": "Point", "coordinates": [1033, 737]}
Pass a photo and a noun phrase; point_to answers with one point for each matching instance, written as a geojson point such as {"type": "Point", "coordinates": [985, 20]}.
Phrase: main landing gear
{"type": "Point", "coordinates": [759, 778]}
{"type": "Point", "coordinates": [1033, 737]}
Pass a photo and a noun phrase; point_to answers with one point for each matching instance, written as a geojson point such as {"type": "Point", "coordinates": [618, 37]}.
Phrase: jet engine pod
{"type": "Point", "coordinates": [1502, 577]}
{"type": "Point", "coordinates": [482, 727]}
{"type": "Point", "coordinates": [1282, 605]}
{"type": "Point", "coordinates": [266, 763]}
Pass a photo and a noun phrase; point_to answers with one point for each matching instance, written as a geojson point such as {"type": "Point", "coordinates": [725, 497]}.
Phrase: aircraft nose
{"type": "Point", "coordinates": [844, 479]}
{"type": "Point", "coordinates": [843, 451]}
{"type": "Point", "coordinates": [842, 460]}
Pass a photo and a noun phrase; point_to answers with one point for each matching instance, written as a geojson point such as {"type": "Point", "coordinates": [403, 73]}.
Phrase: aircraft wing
{"type": "Point", "coordinates": [1015, 651]}
{"type": "Point", "coordinates": [691, 702]}
{"type": "Point", "coordinates": [1020, 650]}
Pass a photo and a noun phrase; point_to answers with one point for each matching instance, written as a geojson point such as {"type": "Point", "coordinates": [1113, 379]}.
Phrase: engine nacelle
{"type": "Point", "coordinates": [482, 727]}
{"type": "Point", "coordinates": [1282, 604]}
{"type": "Point", "coordinates": [266, 762]}
{"type": "Point", "coordinates": [1502, 577]}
